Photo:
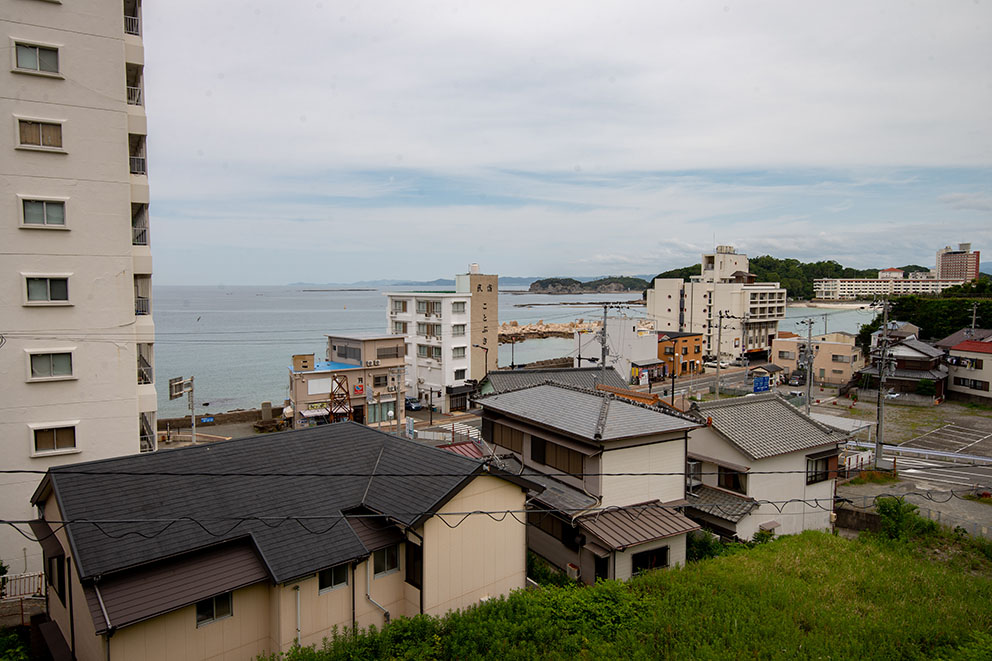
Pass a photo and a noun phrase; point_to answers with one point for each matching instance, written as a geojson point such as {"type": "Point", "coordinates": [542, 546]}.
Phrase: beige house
{"type": "Point", "coordinates": [362, 379]}
{"type": "Point", "coordinates": [836, 358]}
{"type": "Point", "coordinates": [77, 365]}
{"type": "Point", "coordinates": [969, 365]}
{"type": "Point", "coordinates": [264, 551]}
{"type": "Point", "coordinates": [761, 464]}
{"type": "Point", "coordinates": [594, 519]}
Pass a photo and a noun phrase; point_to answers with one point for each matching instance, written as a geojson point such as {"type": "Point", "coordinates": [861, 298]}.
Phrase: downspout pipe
{"type": "Point", "coordinates": [354, 618]}
{"type": "Point", "coordinates": [368, 590]}
{"type": "Point", "coordinates": [296, 588]}
{"type": "Point", "coordinates": [106, 618]}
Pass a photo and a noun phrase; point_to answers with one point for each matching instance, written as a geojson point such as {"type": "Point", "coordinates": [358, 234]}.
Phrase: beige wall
{"type": "Point", "coordinates": [661, 457]}
{"type": "Point", "coordinates": [825, 347]}
{"type": "Point", "coordinates": [962, 372]}
{"type": "Point", "coordinates": [484, 323]}
{"type": "Point", "coordinates": [623, 559]}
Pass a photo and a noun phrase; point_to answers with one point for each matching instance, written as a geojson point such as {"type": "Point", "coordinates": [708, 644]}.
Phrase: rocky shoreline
{"type": "Point", "coordinates": [511, 332]}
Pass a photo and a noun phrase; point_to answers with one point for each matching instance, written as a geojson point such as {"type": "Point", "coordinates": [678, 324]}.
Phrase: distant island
{"type": "Point", "coordinates": [607, 285]}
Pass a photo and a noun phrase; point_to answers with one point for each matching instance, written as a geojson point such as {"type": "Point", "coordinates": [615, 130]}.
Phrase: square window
{"type": "Point", "coordinates": [458, 306]}
{"type": "Point", "coordinates": [51, 365]}
{"type": "Point", "coordinates": [53, 439]}
{"type": "Point", "coordinates": [459, 375]}
{"type": "Point", "coordinates": [215, 608]}
{"type": "Point", "coordinates": [386, 561]}
{"type": "Point", "coordinates": [458, 330]}
{"type": "Point", "coordinates": [37, 58]}
{"type": "Point", "coordinates": [40, 135]}
{"type": "Point", "coordinates": [332, 578]}
{"type": "Point", "coordinates": [47, 290]}
{"type": "Point", "coordinates": [458, 352]}
{"type": "Point", "coordinates": [43, 213]}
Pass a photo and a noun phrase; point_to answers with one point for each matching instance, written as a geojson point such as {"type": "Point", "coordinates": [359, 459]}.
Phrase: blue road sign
{"type": "Point", "coordinates": [761, 384]}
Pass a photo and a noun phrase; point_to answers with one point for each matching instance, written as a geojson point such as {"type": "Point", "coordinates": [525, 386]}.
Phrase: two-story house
{"type": "Point", "coordinates": [362, 379]}
{"type": "Point", "coordinates": [245, 548]}
{"type": "Point", "coordinates": [759, 463]}
{"type": "Point", "coordinates": [613, 473]}
{"type": "Point", "coordinates": [836, 357]}
{"type": "Point", "coordinates": [970, 371]}
{"type": "Point", "coordinates": [912, 363]}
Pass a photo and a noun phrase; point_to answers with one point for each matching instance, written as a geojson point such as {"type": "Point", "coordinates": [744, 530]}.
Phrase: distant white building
{"type": "Point", "coordinates": [750, 310]}
{"type": "Point", "coordinates": [629, 342]}
{"type": "Point", "coordinates": [852, 288]}
{"type": "Point", "coordinates": [452, 338]}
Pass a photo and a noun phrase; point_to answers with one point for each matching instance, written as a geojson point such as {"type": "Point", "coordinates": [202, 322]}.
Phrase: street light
{"type": "Point", "coordinates": [486, 350]}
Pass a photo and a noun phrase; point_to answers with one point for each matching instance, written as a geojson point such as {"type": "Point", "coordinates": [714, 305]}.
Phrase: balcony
{"type": "Point", "coordinates": [139, 235]}
{"type": "Point", "coordinates": [146, 433]}
{"type": "Point", "coordinates": [138, 165]}
{"type": "Point", "coordinates": [142, 305]}
{"type": "Point", "coordinates": [134, 96]}
{"type": "Point", "coordinates": [146, 374]}
{"type": "Point", "coordinates": [132, 25]}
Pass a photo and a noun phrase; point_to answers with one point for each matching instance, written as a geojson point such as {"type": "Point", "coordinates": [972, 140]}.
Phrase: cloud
{"type": "Point", "coordinates": [968, 201]}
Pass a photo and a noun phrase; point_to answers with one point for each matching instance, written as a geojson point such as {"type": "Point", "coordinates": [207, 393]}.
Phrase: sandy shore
{"type": "Point", "coordinates": [832, 305]}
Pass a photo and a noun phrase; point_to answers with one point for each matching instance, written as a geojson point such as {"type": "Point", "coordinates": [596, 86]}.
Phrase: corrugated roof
{"type": "Point", "coordinates": [465, 448]}
{"type": "Point", "coordinates": [289, 549]}
{"type": "Point", "coordinates": [719, 503]}
{"type": "Point", "coordinates": [974, 346]}
{"type": "Point", "coordinates": [581, 377]}
{"type": "Point", "coordinates": [586, 414]}
{"type": "Point", "coordinates": [623, 527]}
{"type": "Point", "coordinates": [766, 425]}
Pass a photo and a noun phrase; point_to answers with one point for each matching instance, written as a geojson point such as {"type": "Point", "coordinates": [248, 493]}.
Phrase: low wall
{"type": "Point", "coordinates": [853, 519]}
{"type": "Point", "coordinates": [246, 415]}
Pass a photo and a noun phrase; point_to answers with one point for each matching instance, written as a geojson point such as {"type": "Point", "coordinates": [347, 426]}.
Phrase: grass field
{"type": "Point", "coordinates": [812, 596]}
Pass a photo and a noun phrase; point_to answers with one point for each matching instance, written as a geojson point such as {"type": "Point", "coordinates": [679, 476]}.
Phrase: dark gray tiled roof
{"type": "Point", "coordinates": [586, 414]}
{"type": "Point", "coordinates": [719, 503]}
{"type": "Point", "coordinates": [623, 527]}
{"type": "Point", "coordinates": [290, 548]}
{"type": "Point", "coordinates": [922, 347]}
{"type": "Point", "coordinates": [963, 335]}
{"type": "Point", "coordinates": [900, 373]}
{"type": "Point", "coordinates": [766, 425]}
{"type": "Point", "coordinates": [556, 495]}
{"type": "Point", "coordinates": [582, 377]}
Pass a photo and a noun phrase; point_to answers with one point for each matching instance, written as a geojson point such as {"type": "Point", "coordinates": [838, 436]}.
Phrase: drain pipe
{"type": "Point", "coordinates": [368, 590]}
{"type": "Point", "coordinates": [297, 589]}
{"type": "Point", "coordinates": [103, 609]}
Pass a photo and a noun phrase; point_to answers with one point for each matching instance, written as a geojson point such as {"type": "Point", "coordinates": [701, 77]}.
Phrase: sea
{"type": "Point", "coordinates": [237, 341]}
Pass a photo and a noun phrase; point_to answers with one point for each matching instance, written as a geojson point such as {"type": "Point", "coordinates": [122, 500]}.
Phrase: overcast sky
{"type": "Point", "coordinates": [339, 141]}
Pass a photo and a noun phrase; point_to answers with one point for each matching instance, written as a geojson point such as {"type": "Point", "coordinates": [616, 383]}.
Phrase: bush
{"type": "Point", "coordinates": [900, 520]}
{"type": "Point", "coordinates": [14, 644]}
{"type": "Point", "coordinates": [539, 571]}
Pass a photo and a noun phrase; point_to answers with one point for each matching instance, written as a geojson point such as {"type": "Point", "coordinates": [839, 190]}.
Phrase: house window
{"type": "Point", "coordinates": [414, 565]}
{"type": "Point", "coordinates": [56, 575]}
{"type": "Point", "coordinates": [37, 58]}
{"type": "Point", "coordinates": [386, 561]}
{"type": "Point", "coordinates": [422, 351]}
{"type": "Point", "coordinates": [697, 349]}
{"type": "Point", "coordinates": [43, 213]}
{"type": "Point", "coordinates": [436, 353]}
{"type": "Point", "coordinates": [332, 578]}
{"type": "Point", "coordinates": [380, 381]}
{"type": "Point", "coordinates": [421, 307]}
{"type": "Point", "coordinates": [556, 456]}
{"type": "Point", "coordinates": [555, 527]}
{"type": "Point", "coordinates": [215, 608]}
{"type": "Point", "coordinates": [53, 439]}
{"type": "Point", "coordinates": [732, 480]}
{"type": "Point", "coordinates": [838, 358]}
{"type": "Point", "coordinates": [787, 355]}
{"type": "Point", "coordinates": [458, 330]}
{"type": "Point", "coordinates": [459, 374]}
{"type": "Point", "coordinates": [399, 306]}
{"type": "Point", "coordinates": [423, 329]}
{"type": "Point", "coordinates": [817, 470]}
{"type": "Point", "coordinates": [399, 327]}
{"type": "Point", "coordinates": [51, 365]}
{"type": "Point", "coordinates": [47, 290]}
{"type": "Point", "coordinates": [458, 352]}
{"type": "Point", "coordinates": [648, 560]}
{"type": "Point", "coordinates": [40, 135]}
{"type": "Point", "coordinates": [458, 307]}
{"type": "Point", "coordinates": [389, 352]}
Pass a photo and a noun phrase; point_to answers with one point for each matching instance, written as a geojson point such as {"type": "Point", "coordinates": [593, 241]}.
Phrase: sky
{"type": "Point", "coordinates": [336, 141]}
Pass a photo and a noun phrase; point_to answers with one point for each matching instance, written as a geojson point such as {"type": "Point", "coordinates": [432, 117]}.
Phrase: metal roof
{"type": "Point", "coordinates": [974, 346]}
{"type": "Point", "coordinates": [556, 495]}
{"type": "Point", "coordinates": [766, 425]}
{"type": "Point", "coordinates": [623, 527]}
{"type": "Point", "coordinates": [720, 503]}
{"type": "Point", "coordinates": [586, 414]}
{"type": "Point", "coordinates": [582, 377]}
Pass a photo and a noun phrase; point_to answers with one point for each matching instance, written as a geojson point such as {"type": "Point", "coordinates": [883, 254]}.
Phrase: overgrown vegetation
{"type": "Point", "coordinates": [874, 477]}
{"type": "Point", "coordinates": [14, 643]}
{"type": "Point", "coordinates": [571, 285]}
{"type": "Point", "coordinates": [984, 497]}
{"type": "Point", "coordinates": [542, 573]}
{"type": "Point", "coordinates": [809, 596]}
{"type": "Point", "coordinates": [936, 317]}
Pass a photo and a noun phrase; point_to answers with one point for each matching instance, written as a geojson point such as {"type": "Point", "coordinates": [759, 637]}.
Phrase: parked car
{"type": "Point", "coordinates": [797, 379]}
{"type": "Point", "coordinates": [712, 364]}
{"type": "Point", "coordinates": [796, 393]}
{"type": "Point", "coordinates": [413, 404]}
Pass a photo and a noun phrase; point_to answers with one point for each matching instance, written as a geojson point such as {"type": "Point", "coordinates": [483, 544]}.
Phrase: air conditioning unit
{"type": "Point", "coordinates": [391, 389]}
{"type": "Point", "coordinates": [368, 363]}
{"type": "Point", "coordinates": [573, 571]}
{"type": "Point", "coordinates": [376, 363]}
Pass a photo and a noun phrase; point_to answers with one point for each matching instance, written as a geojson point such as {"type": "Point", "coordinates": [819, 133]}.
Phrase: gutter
{"type": "Point", "coordinates": [368, 589]}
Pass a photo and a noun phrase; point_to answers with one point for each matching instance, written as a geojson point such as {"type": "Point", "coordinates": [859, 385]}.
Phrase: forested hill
{"type": "Point", "coordinates": [573, 286]}
{"type": "Point", "coordinates": [797, 277]}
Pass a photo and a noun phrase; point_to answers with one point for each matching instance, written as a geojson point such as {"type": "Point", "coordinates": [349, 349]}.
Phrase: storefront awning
{"type": "Point", "coordinates": [313, 413]}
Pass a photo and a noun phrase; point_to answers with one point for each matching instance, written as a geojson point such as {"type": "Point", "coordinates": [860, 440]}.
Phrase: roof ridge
{"type": "Point", "coordinates": [604, 412]}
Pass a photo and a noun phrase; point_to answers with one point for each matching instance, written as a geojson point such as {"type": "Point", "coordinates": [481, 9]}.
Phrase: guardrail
{"type": "Point", "coordinates": [132, 25]}
{"type": "Point", "coordinates": [923, 453]}
{"type": "Point", "coordinates": [17, 586]}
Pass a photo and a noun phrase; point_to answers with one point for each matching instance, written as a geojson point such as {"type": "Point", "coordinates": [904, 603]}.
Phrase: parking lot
{"type": "Point", "coordinates": [954, 438]}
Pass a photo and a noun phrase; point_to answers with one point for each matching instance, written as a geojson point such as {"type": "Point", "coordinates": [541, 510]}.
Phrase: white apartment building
{"type": "Point", "coordinates": [77, 360]}
{"type": "Point", "coordinates": [452, 338]}
{"type": "Point", "coordinates": [852, 288]}
{"type": "Point", "coordinates": [750, 310]}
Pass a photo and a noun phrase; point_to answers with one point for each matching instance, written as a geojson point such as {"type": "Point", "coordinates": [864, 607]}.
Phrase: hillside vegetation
{"type": "Point", "coordinates": [936, 317]}
{"type": "Point", "coordinates": [812, 596]}
{"type": "Point", "coordinates": [602, 285]}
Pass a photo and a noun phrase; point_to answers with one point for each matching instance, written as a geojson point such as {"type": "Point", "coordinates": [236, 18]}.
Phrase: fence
{"type": "Point", "coordinates": [17, 586]}
{"type": "Point", "coordinates": [868, 519]}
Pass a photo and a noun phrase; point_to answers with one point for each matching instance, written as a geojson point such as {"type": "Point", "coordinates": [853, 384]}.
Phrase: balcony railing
{"type": "Point", "coordinates": [142, 305]}
{"type": "Point", "coordinates": [146, 375]}
{"type": "Point", "coordinates": [133, 96]}
{"type": "Point", "coordinates": [146, 434]}
{"type": "Point", "coordinates": [138, 165]}
{"type": "Point", "coordinates": [23, 585]}
{"type": "Point", "coordinates": [132, 25]}
{"type": "Point", "coordinates": [139, 235]}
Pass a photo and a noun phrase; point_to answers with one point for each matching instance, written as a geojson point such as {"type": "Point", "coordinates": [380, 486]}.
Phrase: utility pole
{"type": "Point", "coordinates": [974, 315]}
{"type": "Point", "coordinates": [719, 339]}
{"type": "Point", "coordinates": [883, 368]}
{"type": "Point", "coordinates": [602, 340]}
{"type": "Point", "coordinates": [808, 360]}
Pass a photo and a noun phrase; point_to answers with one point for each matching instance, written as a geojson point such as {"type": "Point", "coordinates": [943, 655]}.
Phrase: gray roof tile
{"type": "Point", "coordinates": [556, 495]}
{"type": "Point", "coordinates": [581, 377]}
{"type": "Point", "coordinates": [719, 503]}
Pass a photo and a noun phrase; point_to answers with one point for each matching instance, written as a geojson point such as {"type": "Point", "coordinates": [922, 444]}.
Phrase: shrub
{"type": "Point", "coordinates": [900, 520]}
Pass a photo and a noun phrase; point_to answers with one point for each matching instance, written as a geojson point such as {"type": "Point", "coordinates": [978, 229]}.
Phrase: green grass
{"type": "Point", "coordinates": [985, 497]}
{"type": "Point", "coordinates": [811, 596]}
{"type": "Point", "coordinates": [874, 477]}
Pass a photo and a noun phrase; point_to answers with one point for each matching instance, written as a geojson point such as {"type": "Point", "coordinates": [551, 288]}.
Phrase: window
{"type": "Point", "coordinates": [458, 330]}
{"type": "Point", "coordinates": [436, 353]}
{"type": "Point", "coordinates": [732, 480]}
{"type": "Point", "coordinates": [394, 351]}
{"type": "Point", "coordinates": [458, 352]}
{"type": "Point", "coordinates": [47, 290]}
{"type": "Point", "coordinates": [556, 456]}
{"type": "Point", "coordinates": [399, 327]}
{"type": "Point", "coordinates": [787, 355]}
{"type": "Point", "coordinates": [817, 470]}
{"type": "Point", "coordinates": [458, 307]}
{"type": "Point", "coordinates": [39, 135]}
{"type": "Point", "coordinates": [56, 575]}
{"type": "Point", "coordinates": [332, 578]}
{"type": "Point", "coordinates": [51, 365]}
{"type": "Point", "coordinates": [43, 213]}
{"type": "Point", "coordinates": [414, 565]}
{"type": "Point", "coordinates": [422, 328]}
{"type": "Point", "coordinates": [386, 561]}
{"type": "Point", "coordinates": [37, 58]}
{"type": "Point", "coordinates": [399, 306]}
{"type": "Point", "coordinates": [555, 527]}
{"type": "Point", "coordinates": [380, 381]}
{"type": "Point", "coordinates": [647, 560]}
{"type": "Point", "coordinates": [837, 358]}
{"type": "Point", "coordinates": [459, 374]}
{"type": "Point", "coordinates": [423, 351]}
{"type": "Point", "coordinates": [215, 608]}
{"type": "Point", "coordinates": [697, 349]}
{"type": "Point", "coordinates": [54, 439]}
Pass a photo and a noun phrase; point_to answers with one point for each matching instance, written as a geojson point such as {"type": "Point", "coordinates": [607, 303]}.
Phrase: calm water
{"type": "Point", "coordinates": [237, 341]}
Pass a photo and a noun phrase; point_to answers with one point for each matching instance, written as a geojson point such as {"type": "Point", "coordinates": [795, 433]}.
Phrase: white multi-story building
{"type": "Point", "coordinates": [724, 295]}
{"type": "Point", "coordinates": [449, 338]}
{"type": "Point", "coordinates": [852, 288]}
{"type": "Point", "coordinates": [76, 359]}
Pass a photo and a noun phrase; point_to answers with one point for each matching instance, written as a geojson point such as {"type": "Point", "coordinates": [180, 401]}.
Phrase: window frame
{"type": "Point", "coordinates": [640, 555]}
{"type": "Point", "coordinates": [31, 43]}
{"type": "Point", "coordinates": [729, 475]}
{"type": "Point", "coordinates": [64, 201]}
{"type": "Point", "coordinates": [464, 374]}
{"type": "Point", "coordinates": [458, 330]}
{"type": "Point", "coordinates": [815, 475]}
{"type": "Point", "coordinates": [213, 607]}
{"type": "Point", "coordinates": [455, 352]}
{"type": "Point", "coordinates": [333, 584]}
{"type": "Point", "coordinates": [29, 375]}
{"type": "Point", "coordinates": [47, 276]}
{"type": "Point", "coordinates": [458, 307]}
{"type": "Point", "coordinates": [34, 428]}
{"type": "Point", "coordinates": [387, 570]}
{"type": "Point", "coordinates": [39, 147]}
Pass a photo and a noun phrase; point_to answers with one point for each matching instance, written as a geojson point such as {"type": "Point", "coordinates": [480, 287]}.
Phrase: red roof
{"type": "Point", "coordinates": [973, 346]}
{"type": "Point", "coordinates": [892, 269]}
{"type": "Point", "coordinates": [465, 448]}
